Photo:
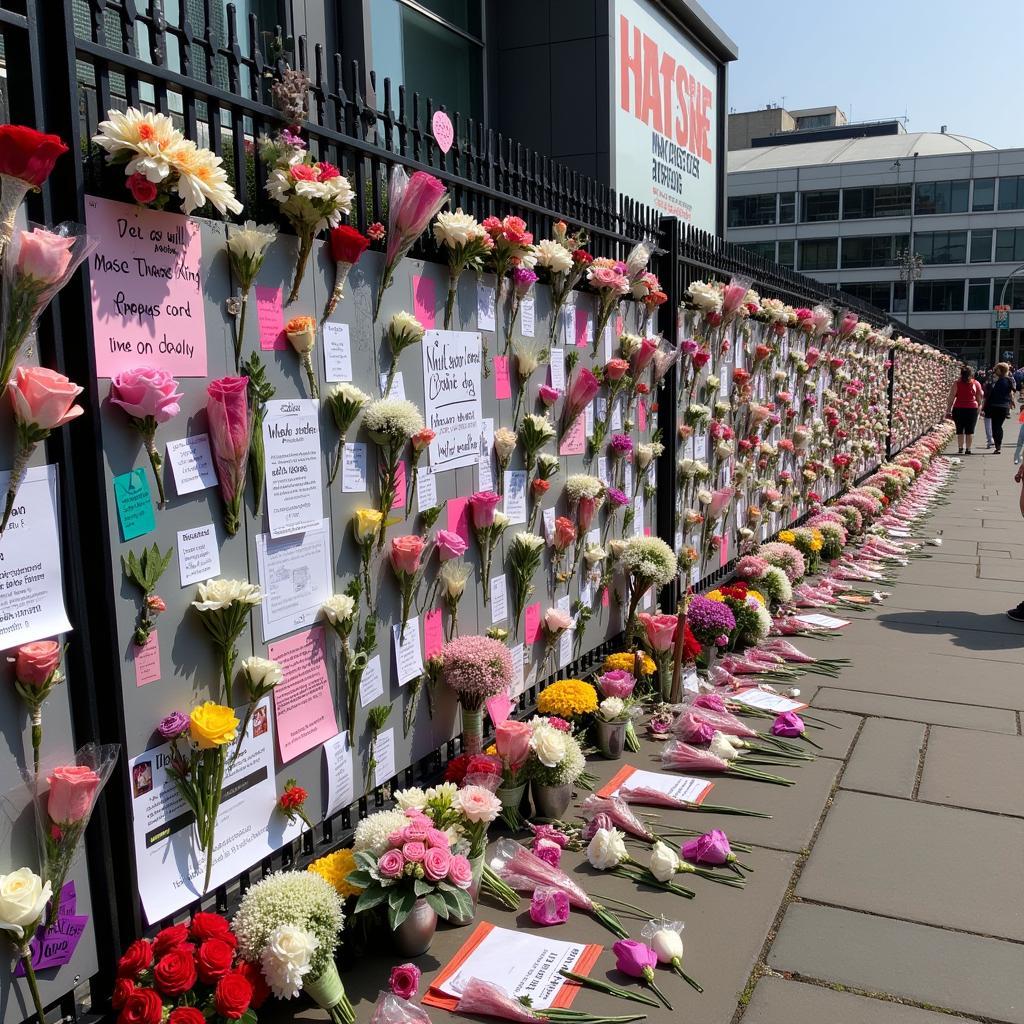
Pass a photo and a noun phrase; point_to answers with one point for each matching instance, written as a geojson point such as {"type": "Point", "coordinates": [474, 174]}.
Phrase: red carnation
{"type": "Point", "coordinates": [483, 764]}
{"type": "Point", "coordinates": [28, 154]}
{"type": "Point", "coordinates": [213, 960]}
{"type": "Point", "coordinates": [186, 1015]}
{"type": "Point", "coordinates": [292, 798]}
{"type": "Point", "coordinates": [175, 972]}
{"type": "Point", "coordinates": [347, 244]}
{"type": "Point", "coordinates": [455, 771]}
{"type": "Point", "coordinates": [210, 926]}
{"type": "Point", "coordinates": [144, 1006]}
{"type": "Point", "coordinates": [252, 974]}
{"type": "Point", "coordinates": [582, 256]}
{"type": "Point", "coordinates": [691, 645]}
{"type": "Point", "coordinates": [123, 989]}
{"type": "Point", "coordinates": [232, 996]}
{"type": "Point", "coordinates": [169, 939]}
{"type": "Point", "coordinates": [137, 957]}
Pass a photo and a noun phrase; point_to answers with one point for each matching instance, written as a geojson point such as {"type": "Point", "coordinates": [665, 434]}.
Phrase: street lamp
{"type": "Point", "coordinates": [999, 322]}
{"type": "Point", "coordinates": [910, 265]}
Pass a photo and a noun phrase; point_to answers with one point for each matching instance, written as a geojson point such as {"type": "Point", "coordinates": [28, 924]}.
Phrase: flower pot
{"type": "Point", "coordinates": [415, 934]}
{"type": "Point", "coordinates": [473, 892]}
{"type": "Point", "coordinates": [512, 797]}
{"type": "Point", "coordinates": [552, 801]}
{"type": "Point", "coordinates": [611, 738]}
{"type": "Point", "coordinates": [472, 730]}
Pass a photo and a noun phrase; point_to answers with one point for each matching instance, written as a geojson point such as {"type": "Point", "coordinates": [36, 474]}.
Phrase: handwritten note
{"type": "Point", "coordinates": [353, 468]}
{"type": "Point", "coordinates": [270, 317]}
{"type": "Point", "coordinates": [146, 286]}
{"type": "Point", "coordinates": [433, 633]}
{"type": "Point", "coordinates": [191, 463]}
{"type": "Point", "coordinates": [147, 661]}
{"type": "Point", "coordinates": [303, 707]}
{"type": "Point", "coordinates": [426, 488]}
{"type": "Point", "coordinates": [532, 622]}
{"type": "Point", "coordinates": [575, 440]}
{"type": "Point", "coordinates": [515, 495]}
{"type": "Point", "coordinates": [408, 660]}
{"type": "Point", "coordinates": [527, 317]}
{"type": "Point", "coordinates": [451, 385]}
{"type": "Point", "coordinates": [499, 599]}
{"type": "Point", "coordinates": [371, 686]}
{"type": "Point", "coordinates": [424, 300]}
{"type": "Point", "coordinates": [198, 554]}
{"type": "Point", "coordinates": [556, 368]}
{"type": "Point", "coordinates": [340, 782]}
{"type": "Point", "coordinates": [502, 383]}
{"type": "Point", "coordinates": [134, 504]}
{"type": "Point", "coordinates": [337, 353]}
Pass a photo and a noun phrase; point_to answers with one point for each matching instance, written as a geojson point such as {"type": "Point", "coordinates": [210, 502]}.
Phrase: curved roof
{"type": "Point", "coordinates": [842, 151]}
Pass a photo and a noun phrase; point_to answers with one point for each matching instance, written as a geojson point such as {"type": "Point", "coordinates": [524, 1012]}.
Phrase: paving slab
{"type": "Point", "coordinates": [915, 638]}
{"type": "Point", "coordinates": [994, 599]}
{"type": "Point", "coordinates": [777, 1001]}
{"type": "Point", "coordinates": [834, 739]}
{"type": "Point", "coordinates": [1002, 570]}
{"type": "Point", "coordinates": [933, 712]}
{"type": "Point", "coordinates": [937, 865]}
{"type": "Point", "coordinates": [886, 758]}
{"type": "Point", "coordinates": [974, 769]}
{"type": "Point", "coordinates": [951, 970]}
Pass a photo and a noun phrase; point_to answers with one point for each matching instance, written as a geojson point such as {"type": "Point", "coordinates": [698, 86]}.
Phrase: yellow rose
{"type": "Point", "coordinates": [787, 536]}
{"type": "Point", "coordinates": [366, 523]}
{"type": "Point", "coordinates": [213, 725]}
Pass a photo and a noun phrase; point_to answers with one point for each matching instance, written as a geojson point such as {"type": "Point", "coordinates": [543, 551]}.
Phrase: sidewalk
{"type": "Point", "coordinates": [910, 890]}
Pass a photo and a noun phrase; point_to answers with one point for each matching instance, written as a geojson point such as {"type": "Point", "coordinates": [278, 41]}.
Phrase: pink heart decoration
{"type": "Point", "coordinates": [444, 133]}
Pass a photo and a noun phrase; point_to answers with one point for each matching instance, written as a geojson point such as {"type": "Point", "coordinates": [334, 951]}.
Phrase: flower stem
{"type": "Point", "coordinates": [307, 365]}
{"type": "Point", "coordinates": [21, 461]}
{"type": "Point", "coordinates": [240, 328]}
{"type": "Point", "coordinates": [33, 985]}
{"type": "Point", "coordinates": [157, 463]}
{"type": "Point", "coordinates": [336, 462]}
{"type": "Point", "coordinates": [305, 248]}
{"type": "Point", "coordinates": [37, 736]}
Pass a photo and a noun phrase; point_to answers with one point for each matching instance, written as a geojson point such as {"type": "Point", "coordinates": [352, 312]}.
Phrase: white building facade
{"type": "Point", "coordinates": [843, 210]}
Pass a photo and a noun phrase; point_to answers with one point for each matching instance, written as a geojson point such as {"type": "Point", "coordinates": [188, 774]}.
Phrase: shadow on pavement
{"type": "Point", "coordinates": [970, 630]}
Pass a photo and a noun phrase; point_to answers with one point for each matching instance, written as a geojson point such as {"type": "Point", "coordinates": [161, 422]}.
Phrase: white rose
{"type": "Point", "coordinates": [554, 256]}
{"type": "Point", "coordinates": [406, 323]}
{"type": "Point", "coordinates": [668, 944]}
{"type": "Point", "coordinates": [706, 297]}
{"type": "Point", "coordinates": [264, 673]}
{"type": "Point", "coordinates": [413, 797]}
{"type": "Point", "coordinates": [23, 898]}
{"type": "Point", "coordinates": [338, 608]}
{"type": "Point", "coordinates": [721, 747]}
{"type": "Point", "coordinates": [505, 442]}
{"type": "Point", "coordinates": [286, 959]}
{"type": "Point", "coordinates": [607, 849]}
{"type": "Point", "coordinates": [612, 708]}
{"type": "Point", "coordinates": [215, 595]}
{"type": "Point", "coordinates": [664, 862]}
{"type": "Point", "coordinates": [456, 228]}
{"type": "Point", "coordinates": [594, 554]}
{"type": "Point", "coordinates": [548, 744]}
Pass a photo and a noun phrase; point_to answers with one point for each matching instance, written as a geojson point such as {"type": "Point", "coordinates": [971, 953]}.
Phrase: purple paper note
{"type": "Point", "coordinates": [55, 945]}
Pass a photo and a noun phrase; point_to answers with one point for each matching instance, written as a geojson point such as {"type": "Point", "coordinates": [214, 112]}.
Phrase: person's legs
{"type": "Point", "coordinates": [988, 430]}
{"type": "Point", "coordinates": [959, 443]}
{"type": "Point", "coordinates": [998, 415]}
{"type": "Point", "coordinates": [1020, 445]}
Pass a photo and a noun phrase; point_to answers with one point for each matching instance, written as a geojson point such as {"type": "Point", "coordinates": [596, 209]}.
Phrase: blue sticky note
{"type": "Point", "coordinates": [134, 504]}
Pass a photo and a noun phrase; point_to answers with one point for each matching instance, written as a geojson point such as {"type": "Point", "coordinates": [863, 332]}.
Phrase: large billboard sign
{"type": "Point", "coordinates": [664, 137]}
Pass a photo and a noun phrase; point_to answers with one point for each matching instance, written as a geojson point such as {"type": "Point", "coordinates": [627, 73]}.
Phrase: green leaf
{"type": "Point", "coordinates": [438, 903]}
{"type": "Point", "coordinates": [366, 860]}
{"type": "Point", "coordinates": [370, 898]}
{"type": "Point", "coordinates": [361, 879]}
{"type": "Point", "coordinates": [461, 903]}
{"type": "Point", "coordinates": [421, 886]}
{"type": "Point", "coordinates": [398, 910]}
{"type": "Point", "coordinates": [396, 895]}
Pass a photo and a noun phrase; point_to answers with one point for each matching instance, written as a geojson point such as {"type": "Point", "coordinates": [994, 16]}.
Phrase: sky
{"type": "Point", "coordinates": [937, 62]}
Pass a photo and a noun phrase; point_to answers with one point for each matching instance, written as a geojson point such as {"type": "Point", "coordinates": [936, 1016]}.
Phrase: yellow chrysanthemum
{"type": "Point", "coordinates": [335, 869]}
{"type": "Point", "coordinates": [492, 750]}
{"type": "Point", "coordinates": [756, 595]}
{"type": "Point", "coordinates": [568, 698]}
{"type": "Point", "coordinates": [624, 661]}
{"type": "Point", "coordinates": [787, 536]}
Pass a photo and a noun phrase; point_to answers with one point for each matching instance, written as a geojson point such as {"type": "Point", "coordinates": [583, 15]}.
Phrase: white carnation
{"type": "Point", "coordinates": [553, 255]}
{"type": "Point", "coordinates": [286, 959]}
{"type": "Point", "coordinates": [216, 595]}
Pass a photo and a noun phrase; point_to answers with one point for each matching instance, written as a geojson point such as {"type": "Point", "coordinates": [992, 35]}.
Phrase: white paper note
{"type": "Point", "coordinates": [518, 679]}
{"type": "Point", "coordinates": [527, 316]}
{"type": "Point", "coordinates": [602, 469]}
{"type": "Point", "coordinates": [499, 599]}
{"type": "Point", "coordinates": [485, 318]}
{"type": "Point", "coordinates": [192, 463]}
{"type": "Point", "coordinates": [198, 554]}
{"type": "Point", "coordinates": [397, 385]}
{"type": "Point", "coordinates": [426, 488]}
{"type": "Point", "coordinates": [565, 640]}
{"type": "Point", "coordinates": [679, 787]}
{"type": "Point", "coordinates": [549, 523]}
{"type": "Point", "coordinates": [638, 516]}
{"type": "Point", "coordinates": [567, 321]}
{"type": "Point", "coordinates": [755, 698]}
{"type": "Point", "coordinates": [371, 686]}
{"type": "Point", "coordinates": [588, 419]}
{"type": "Point", "coordinates": [291, 435]}
{"type": "Point", "coordinates": [353, 468]}
{"type": "Point", "coordinates": [609, 344]}
{"type": "Point", "coordinates": [515, 496]}
{"type": "Point", "coordinates": [384, 755]}
{"type": "Point", "coordinates": [452, 392]}
{"type": "Point", "coordinates": [340, 783]}
{"type": "Point", "coordinates": [337, 353]}
{"type": "Point", "coordinates": [295, 574]}
{"type": "Point", "coordinates": [556, 368]}
{"type": "Point", "coordinates": [485, 459]}
{"type": "Point", "coordinates": [616, 424]}
{"type": "Point", "coordinates": [408, 657]}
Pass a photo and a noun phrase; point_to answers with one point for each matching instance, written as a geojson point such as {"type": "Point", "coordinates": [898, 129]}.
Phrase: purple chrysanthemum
{"type": "Point", "coordinates": [616, 497]}
{"type": "Point", "coordinates": [709, 619]}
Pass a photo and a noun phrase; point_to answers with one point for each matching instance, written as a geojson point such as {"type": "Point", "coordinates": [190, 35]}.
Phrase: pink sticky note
{"type": "Point", "coordinates": [620, 325]}
{"type": "Point", "coordinates": [641, 415]}
{"type": "Point", "coordinates": [147, 661]}
{"type": "Point", "coordinates": [499, 708]}
{"type": "Point", "coordinates": [532, 622]}
{"type": "Point", "coordinates": [582, 316]}
{"type": "Point", "coordinates": [303, 706]}
{"type": "Point", "coordinates": [502, 384]}
{"type": "Point", "coordinates": [458, 517]}
{"type": "Point", "coordinates": [575, 441]}
{"type": "Point", "coordinates": [794, 514]}
{"type": "Point", "coordinates": [433, 633]}
{"type": "Point", "coordinates": [146, 284]}
{"type": "Point", "coordinates": [399, 501]}
{"type": "Point", "coordinates": [424, 300]}
{"type": "Point", "coordinates": [647, 531]}
{"type": "Point", "coordinates": [444, 131]}
{"type": "Point", "coordinates": [605, 600]}
{"type": "Point", "coordinates": [723, 551]}
{"type": "Point", "coordinates": [270, 316]}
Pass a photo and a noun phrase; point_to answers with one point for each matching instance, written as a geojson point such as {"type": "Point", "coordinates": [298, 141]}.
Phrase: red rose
{"type": "Point", "coordinates": [137, 957]}
{"type": "Point", "coordinates": [232, 996]}
{"type": "Point", "coordinates": [455, 770]}
{"type": "Point", "coordinates": [28, 154]}
{"type": "Point", "coordinates": [209, 926]}
{"type": "Point", "coordinates": [214, 960]}
{"type": "Point", "coordinates": [144, 1006]}
{"type": "Point", "coordinates": [252, 974]}
{"type": "Point", "coordinates": [186, 1015]}
{"type": "Point", "coordinates": [175, 972]}
{"type": "Point", "coordinates": [123, 988]}
{"type": "Point", "coordinates": [169, 939]}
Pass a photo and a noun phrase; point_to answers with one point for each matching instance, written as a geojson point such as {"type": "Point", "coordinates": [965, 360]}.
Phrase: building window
{"type": "Point", "coordinates": [1011, 193]}
{"type": "Point", "coordinates": [941, 247]}
{"type": "Point", "coordinates": [766, 250]}
{"type": "Point", "coordinates": [981, 246]}
{"type": "Point", "coordinates": [942, 196]}
{"type": "Point", "coordinates": [787, 207]}
{"type": "Point", "coordinates": [979, 295]}
{"type": "Point", "coordinates": [938, 297]}
{"type": "Point", "coordinates": [786, 257]}
{"type": "Point", "coordinates": [876, 201]}
{"type": "Point", "coordinates": [875, 292]}
{"type": "Point", "coordinates": [899, 297]}
{"type": "Point", "coordinates": [819, 253]}
{"type": "Point", "coordinates": [984, 194]}
{"type": "Point", "coordinates": [1010, 245]}
{"type": "Point", "coordinates": [872, 250]}
{"type": "Point", "coordinates": [1014, 294]}
{"type": "Point", "coordinates": [816, 206]}
{"type": "Point", "coordinates": [750, 211]}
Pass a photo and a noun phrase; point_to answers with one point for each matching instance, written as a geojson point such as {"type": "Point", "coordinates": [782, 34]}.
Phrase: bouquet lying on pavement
{"type": "Point", "coordinates": [486, 999]}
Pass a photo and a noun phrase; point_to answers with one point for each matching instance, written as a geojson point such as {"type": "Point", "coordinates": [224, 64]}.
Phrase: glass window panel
{"type": "Point", "coordinates": [766, 250]}
{"type": "Point", "coordinates": [875, 292]}
{"type": "Point", "coordinates": [856, 203]}
{"type": "Point", "coordinates": [818, 206]}
{"type": "Point", "coordinates": [981, 246]}
{"type": "Point", "coordinates": [748, 211]}
{"type": "Point", "coordinates": [984, 194]}
{"type": "Point", "coordinates": [787, 207]}
{"type": "Point", "coordinates": [1013, 296]}
{"type": "Point", "coordinates": [1009, 194]}
{"type": "Point", "coordinates": [819, 253]}
{"type": "Point", "coordinates": [786, 252]}
{"type": "Point", "coordinates": [978, 295]}
{"type": "Point", "coordinates": [924, 201]}
{"type": "Point", "coordinates": [464, 14]}
{"type": "Point", "coordinates": [1005, 245]}
{"type": "Point", "coordinates": [958, 194]}
{"type": "Point", "coordinates": [899, 297]}
{"type": "Point", "coordinates": [938, 296]}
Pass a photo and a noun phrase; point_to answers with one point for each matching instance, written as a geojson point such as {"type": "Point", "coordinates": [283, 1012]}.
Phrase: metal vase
{"type": "Point", "coordinates": [611, 738]}
{"type": "Point", "coordinates": [552, 801]}
{"type": "Point", "coordinates": [415, 934]}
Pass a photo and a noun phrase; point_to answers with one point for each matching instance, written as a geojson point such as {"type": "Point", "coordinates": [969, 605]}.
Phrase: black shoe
{"type": "Point", "coordinates": [997, 451]}
{"type": "Point", "coordinates": [968, 452]}
{"type": "Point", "coordinates": [1017, 614]}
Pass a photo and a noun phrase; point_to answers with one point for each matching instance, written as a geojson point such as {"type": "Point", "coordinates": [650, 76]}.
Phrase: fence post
{"type": "Point", "coordinates": [890, 394]}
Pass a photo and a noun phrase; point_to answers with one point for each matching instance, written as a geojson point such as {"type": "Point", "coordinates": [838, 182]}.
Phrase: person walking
{"type": "Point", "coordinates": [985, 378]}
{"type": "Point", "coordinates": [964, 400]}
{"type": "Point", "coordinates": [998, 401]}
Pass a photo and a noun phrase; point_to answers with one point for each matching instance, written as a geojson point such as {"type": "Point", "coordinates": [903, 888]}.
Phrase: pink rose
{"type": "Point", "coordinates": [615, 369]}
{"type": "Point", "coordinates": [404, 981]}
{"type": "Point", "coordinates": [513, 742]}
{"type": "Point", "coordinates": [556, 620]}
{"type": "Point", "coordinates": [227, 414]}
{"type": "Point", "coordinates": [460, 873]}
{"type": "Point", "coordinates": [414, 852]}
{"type": "Point", "coordinates": [146, 392]}
{"type": "Point", "coordinates": [710, 848]}
{"type": "Point", "coordinates": [617, 683]}
{"type": "Point", "coordinates": [72, 789]}
{"type": "Point", "coordinates": [644, 355]}
{"type": "Point", "coordinates": [391, 864]}
{"type": "Point", "coordinates": [632, 957]}
{"type": "Point", "coordinates": [481, 507]}
{"type": "Point", "coordinates": [36, 661]}
{"type": "Point", "coordinates": [43, 397]}
{"type": "Point", "coordinates": [449, 545]}
{"type": "Point", "coordinates": [549, 906]}
{"type": "Point", "coordinates": [44, 255]}
{"type": "Point", "coordinates": [415, 832]}
{"type": "Point", "coordinates": [661, 630]}
{"type": "Point", "coordinates": [437, 863]}
{"type": "Point", "coordinates": [548, 851]}
{"type": "Point", "coordinates": [478, 804]}
{"type": "Point", "coordinates": [438, 840]}
{"type": "Point", "coordinates": [405, 554]}
{"type": "Point", "coordinates": [548, 395]}
{"type": "Point", "coordinates": [397, 837]}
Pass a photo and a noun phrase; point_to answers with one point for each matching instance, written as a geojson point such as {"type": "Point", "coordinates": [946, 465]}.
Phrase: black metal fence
{"type": "Point", "coordinates": [214, 81]}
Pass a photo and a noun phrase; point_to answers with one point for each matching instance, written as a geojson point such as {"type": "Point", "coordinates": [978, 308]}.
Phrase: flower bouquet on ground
{"type": "Point", "coordinates": [247, 249]}
{"type": "Point", "coordinates": [224, 607]}
{"type": "Point", "coordinates": [666, 939]}
{"type": "Point", "coordinates": [346, 245]}
{"type": "Point", "coordinates": [391, 424]}
{"type": "Point", "coordinates": [466, 243]}
{"type": "Point", "coordinates": [227, 414]}
{"type": "Point", "coordinates": [485, 999]}
{"type": "Point", "coordinates": [475, 667]}
{"type": "Point", "coordinates": [288, 927]}
{"type": "Point", "coordinates": [512, 743]}
{"type": "Point", "coordinates": [556, 762]}
{"type": "Point", "coordinates": [36, 673]}
{"type": "Point", "coordinates": [198, 770]}
{"type": "Point", "coordinates": [412, 203]}
{"type": "Point", "coordinates": [23, 899]}
{"type": "Point", "coordinates": [638, 960]}
{"type": "Point", "coordinates": [523, 870]}
{"type": "Point", "coordinates": [683, 757]}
